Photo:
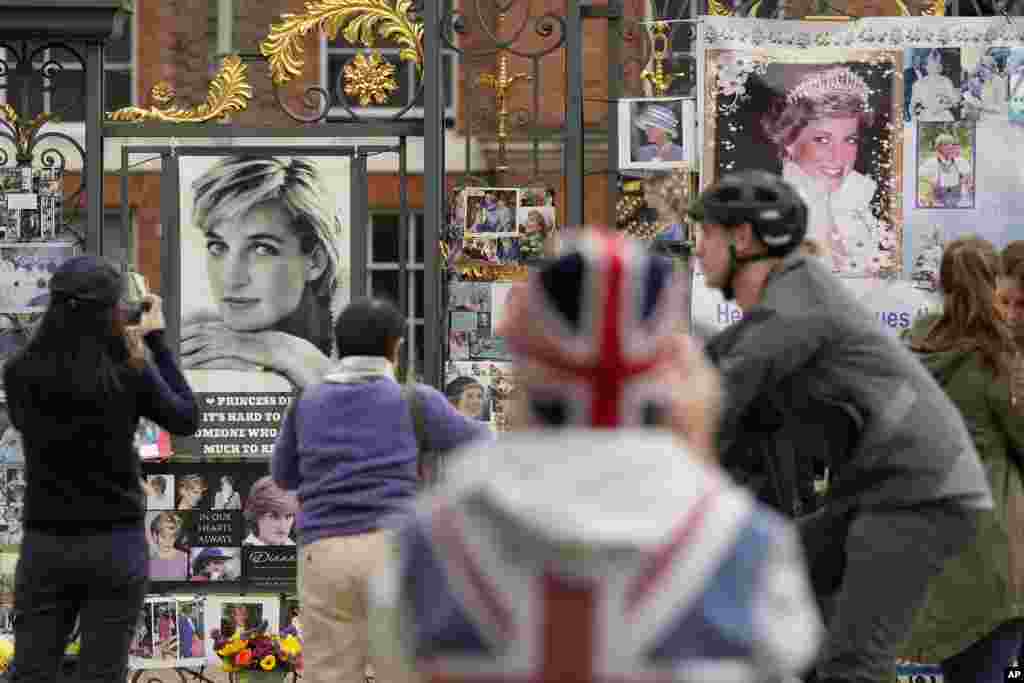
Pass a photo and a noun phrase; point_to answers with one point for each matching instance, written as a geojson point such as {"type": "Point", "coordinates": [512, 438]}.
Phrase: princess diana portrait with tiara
{"type": "Point", "coordinates": [826, 130]}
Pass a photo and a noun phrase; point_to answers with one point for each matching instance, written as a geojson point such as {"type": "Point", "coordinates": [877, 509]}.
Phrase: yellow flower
{"type": "Point", "coordinates": [232, 648]}
{"type": "Point", "coordinates": [291, 646]}
{"type": "Point", "coordinates": [268, 663]}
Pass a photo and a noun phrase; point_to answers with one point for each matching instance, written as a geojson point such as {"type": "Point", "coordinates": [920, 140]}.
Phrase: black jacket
{"type": "Point", "coordinates": [808, 373]}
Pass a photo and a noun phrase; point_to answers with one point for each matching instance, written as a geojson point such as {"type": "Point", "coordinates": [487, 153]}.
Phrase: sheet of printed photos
{"type": "Point", "coordinates": [504, 226]}
{"type": "Point", "coordinates": [935, 159]}
{"type": "Point", "coordinates": [31, 203]}
{"type": "Point", "coordinates": [485, 391]}
{"type": "Point", "coordinates": [25, 272]}
{"type": "Point", "coordinates": [170, 632]}
{"type": "Point", "coordinates": [475, 312]}
{"type": "Point", "coordinates": [202, 521]}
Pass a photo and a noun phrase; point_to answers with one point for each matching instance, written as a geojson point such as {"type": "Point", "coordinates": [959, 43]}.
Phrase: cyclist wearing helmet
{"type": "Point", "coordinates": [808, 373]}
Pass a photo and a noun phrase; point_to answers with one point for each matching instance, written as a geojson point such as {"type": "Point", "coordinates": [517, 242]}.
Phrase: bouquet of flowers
{"type": "Point", "coordinates": [256, 650]}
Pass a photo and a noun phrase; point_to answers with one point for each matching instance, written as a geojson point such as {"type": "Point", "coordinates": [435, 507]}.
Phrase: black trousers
{"type": "Point", "coordinates": [99, 578]}
{"type": "Point", "coordinates": [871, 570]}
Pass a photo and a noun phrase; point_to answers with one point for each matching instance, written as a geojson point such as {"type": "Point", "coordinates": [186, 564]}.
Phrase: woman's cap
{"type": "Point", "coordinates": [657, 116]}
{"type": "Point", "coordinates": [87, 278]}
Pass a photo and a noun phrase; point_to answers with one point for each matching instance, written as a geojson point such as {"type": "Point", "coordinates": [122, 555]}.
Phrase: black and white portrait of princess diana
{"type": "Point", "coordinates": [263, 248]}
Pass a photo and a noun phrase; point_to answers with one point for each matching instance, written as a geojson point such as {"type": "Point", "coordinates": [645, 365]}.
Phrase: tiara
{"type": "Point", "coordinates": [840, 81]}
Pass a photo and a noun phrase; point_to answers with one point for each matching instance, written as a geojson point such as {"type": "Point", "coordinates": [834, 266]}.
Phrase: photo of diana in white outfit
{"type": "Point", "coordinates": [933, 95]}
{"type": "Point", "coordinates": [818, 135]}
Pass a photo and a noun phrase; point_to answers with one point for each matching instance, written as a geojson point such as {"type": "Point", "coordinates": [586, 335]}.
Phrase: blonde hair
{"type": "Point", "coordinates": [192, 482]}
{"type": "Point", "coordinates": [234, 186]}
{"type": "Point", "coordinates": [165, 518]}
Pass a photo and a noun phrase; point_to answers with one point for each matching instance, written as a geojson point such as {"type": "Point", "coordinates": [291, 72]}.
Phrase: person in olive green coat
{"type": "Point", "coordinates": [971, 619]}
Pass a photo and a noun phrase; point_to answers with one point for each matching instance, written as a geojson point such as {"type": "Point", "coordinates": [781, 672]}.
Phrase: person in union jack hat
{"type": "Point", "coordinates": [601, 541]}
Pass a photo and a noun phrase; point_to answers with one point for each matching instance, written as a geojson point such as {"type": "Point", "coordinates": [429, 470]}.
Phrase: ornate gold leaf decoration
{"type": "Point", "coordinates": [360, 21]}
{"type": "Point", "coordinates": [229, 92]}
{"type": "Point", "coordinates": [492, 272]}
{"type": "Point", "coordinates": [24, 131]}
{"type": "Point", "coordinates": [370, 78]}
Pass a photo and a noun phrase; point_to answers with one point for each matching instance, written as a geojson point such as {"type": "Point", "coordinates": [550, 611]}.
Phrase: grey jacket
{"type": "Point", "coordinates": [810, 343]}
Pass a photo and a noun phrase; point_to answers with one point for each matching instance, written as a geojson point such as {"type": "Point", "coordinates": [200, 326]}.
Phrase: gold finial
{"type": "Point", "coordinates": [24, 131]}
{"type": "Point", "coordinates": [229, 92]}
{"type": "Point", "coordinates": [361, 22]}
{"type": "Point", "coordinates": [500, 84]}
{"type": "Point", "coordinates": [657, 77]}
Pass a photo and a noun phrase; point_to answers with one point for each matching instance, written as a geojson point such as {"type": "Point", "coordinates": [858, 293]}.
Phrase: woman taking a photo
{"type": "Point", "coordinates": [272, 262]}
{"type": "Point", "coordinates": [971, 621]}
{"type": "Point", "coordinates": [80, 386]}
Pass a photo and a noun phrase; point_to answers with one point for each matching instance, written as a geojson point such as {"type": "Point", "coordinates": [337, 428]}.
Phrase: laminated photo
{"type": "Point", "coordinates": [227, 614]}
{"type": "Point", "coordinates": [264, 253]}
{"type": "Point", "coordinates": [490, 212]}
{"type": "Point", "coordinates": [25, 272]}
{"type": "Point", "coordinates": [656, 133]}
{"type": "Point", "coordinates": [946, 157]}
{"type": "Point", "coordinates": [485, 391]}
{"type": "Point", "coordinates": [827, 121]}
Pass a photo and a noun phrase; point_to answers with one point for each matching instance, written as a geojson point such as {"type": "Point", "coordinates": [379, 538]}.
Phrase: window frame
{"type": "Point", "coordinates": [338, 112]}
{"type": "Point", "coordinates": [74, 127]}
{"type": "Point", "coordinates": [415, 327]}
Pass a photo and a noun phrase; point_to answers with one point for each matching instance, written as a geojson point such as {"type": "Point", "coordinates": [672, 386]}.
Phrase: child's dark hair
{"type": "Point", "coordinates": [368, 327]}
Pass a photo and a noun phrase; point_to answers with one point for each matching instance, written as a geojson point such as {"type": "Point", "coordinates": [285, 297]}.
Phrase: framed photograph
{"type": "Point", "coordinates": [946, 159]}
{"type": "Point", "coordinates": [25, 272]}
{"type": "Point", "coordinates": [167, 532]}
{"type": "Point", "coordinates": [261, 252]}
{"type": "Point", "coordinates": [228, 613]}
{"type": "Point", "coordinates": [484, 391]}
{"type": "Point", "coordinates": [830, 122]}
{"type": "Point", "coordinates": [142, 653]}
{"type": "Point", "coordinates": [656, 133]}
{"type": "Point", "coordinates": [160, 492]}
{"type": "Point", "coordinates": [215, 564]}
{"type": "Point", "coordinates": [931, 84]}
{"type": "Point", "coordinates": [986, 82]}
{"type": "Point", "coordinates": [191, 627]}
{"type": "Point", "coordinates": [490, 212]}
{"type": "Point", "coordinates": [8, 566]}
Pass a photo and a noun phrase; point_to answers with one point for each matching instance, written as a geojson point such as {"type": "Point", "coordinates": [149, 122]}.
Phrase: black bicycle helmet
{"type": "Point", "coordinates": [774, 210]}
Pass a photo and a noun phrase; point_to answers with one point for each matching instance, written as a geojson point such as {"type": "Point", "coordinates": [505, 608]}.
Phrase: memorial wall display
{"type": "Point", "coordinates": [920, 145]}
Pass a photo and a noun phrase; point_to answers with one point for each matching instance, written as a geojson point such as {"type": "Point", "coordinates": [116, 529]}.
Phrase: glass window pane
{"type": "Point", "coordinates": [418, 297]}
{"type": "Point", "coordinates": [384, 284]}
{"type": "Point", "coordinates": [117, 90]}
{"type": "Point", "coordinates": [384, 238]}
{"type": "Point", "coordinates": [419, 225]}
{"type": "Point", "coordinates": [120, 50]}
{"type": "Point", "coordinates": [68, 96]}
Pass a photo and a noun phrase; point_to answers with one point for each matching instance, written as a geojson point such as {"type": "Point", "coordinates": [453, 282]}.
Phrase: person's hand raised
{"type": "Point", "coordinates": [153, 318]}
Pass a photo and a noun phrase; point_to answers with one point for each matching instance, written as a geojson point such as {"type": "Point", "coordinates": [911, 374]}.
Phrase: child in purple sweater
{"type": "Point", "coordinates": [348, 446]}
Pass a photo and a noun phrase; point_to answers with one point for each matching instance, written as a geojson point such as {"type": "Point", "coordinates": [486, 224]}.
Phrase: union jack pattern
{"type": "Point", "coordinates": [723, 597]}
{"type": "Point", "coordinates": [602, 329]}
